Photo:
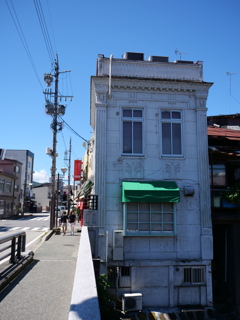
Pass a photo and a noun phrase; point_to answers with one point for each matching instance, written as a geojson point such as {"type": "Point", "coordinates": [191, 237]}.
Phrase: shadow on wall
{"type": "Point", "coordinates": [85, 310]}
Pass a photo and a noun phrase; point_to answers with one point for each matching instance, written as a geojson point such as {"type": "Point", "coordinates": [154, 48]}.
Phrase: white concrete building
{"type": "Point", "coordinates": [43, 195]}
{"type": "Point", "coordinates": [148, 159]}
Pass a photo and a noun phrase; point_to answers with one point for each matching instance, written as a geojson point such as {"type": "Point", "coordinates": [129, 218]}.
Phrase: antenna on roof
{"type": "Point", "coordinates": [230, 88]}
{"type": "Point", "coordinates": [180, 53]}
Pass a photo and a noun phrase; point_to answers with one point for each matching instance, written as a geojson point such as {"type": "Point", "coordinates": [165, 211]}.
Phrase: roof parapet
{"type": "Point", "coordinates": [156, 67]}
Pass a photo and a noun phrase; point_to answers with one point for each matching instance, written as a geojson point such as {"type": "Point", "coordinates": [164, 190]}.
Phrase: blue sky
{"type": "Point", "coordinates": [206, 30]}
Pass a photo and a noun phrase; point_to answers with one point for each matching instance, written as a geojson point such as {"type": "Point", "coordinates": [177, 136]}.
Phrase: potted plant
{"type": "Point", "coordinates": [232, 196]}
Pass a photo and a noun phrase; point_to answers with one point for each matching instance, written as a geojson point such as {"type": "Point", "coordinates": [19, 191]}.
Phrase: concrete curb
{"type": "Point", "coordinates": [48, 236]}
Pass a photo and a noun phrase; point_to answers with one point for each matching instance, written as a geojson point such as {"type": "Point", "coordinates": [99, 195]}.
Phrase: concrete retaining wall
{"type": "Point", "coordinates": [84, 302]}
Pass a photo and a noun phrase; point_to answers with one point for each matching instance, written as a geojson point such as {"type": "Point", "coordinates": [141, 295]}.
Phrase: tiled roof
{"type": "Point", "coordinates": [224, 133]}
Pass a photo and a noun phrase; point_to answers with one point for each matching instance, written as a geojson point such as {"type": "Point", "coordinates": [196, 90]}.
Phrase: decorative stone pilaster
{"type": "Point", "coordinates": [203, 163]}
{"type": "Point", "coordinates": [100, 151]}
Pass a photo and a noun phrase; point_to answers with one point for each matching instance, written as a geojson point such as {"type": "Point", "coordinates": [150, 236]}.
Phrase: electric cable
{"type": "Point", "coordinates": [51, 26]}
{"type": "Point", "coordinates": [22, 37]}
{"type": "Point", "coordinates": [235, 99]}
{"type": "Point", "coordinates": [44, 29]}
{"type": "Point", "coordinates": [64, 141]}
{"type": "Point", "coordinates": [71, 129]}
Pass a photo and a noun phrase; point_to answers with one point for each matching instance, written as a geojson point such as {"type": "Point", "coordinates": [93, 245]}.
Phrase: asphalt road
{"type": "Point", "coordinates": [30, 222]}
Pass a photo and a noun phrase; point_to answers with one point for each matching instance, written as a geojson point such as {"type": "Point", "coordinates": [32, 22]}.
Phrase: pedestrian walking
{"type": "Point", "coordinates": [72, 221]}
{"type": "Point", "coordinates": [63, 221]}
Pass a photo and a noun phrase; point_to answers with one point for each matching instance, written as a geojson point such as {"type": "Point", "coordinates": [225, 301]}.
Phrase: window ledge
{"type": "Point", "coordinates": [137, 234]}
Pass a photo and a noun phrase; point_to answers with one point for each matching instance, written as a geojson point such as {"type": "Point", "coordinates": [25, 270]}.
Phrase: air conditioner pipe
{"type": "Point", "coordinates": [110, 77]}
{"type": "Point", "coordinates": [117, 278]}
{"type": "Point", "coordinates": [106, 234]}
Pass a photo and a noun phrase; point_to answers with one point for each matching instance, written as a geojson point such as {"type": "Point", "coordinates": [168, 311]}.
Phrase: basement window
{"type": "Point", "coordinates": [194, 275]}
{"type": "Point", "coordinates": [121, 279]}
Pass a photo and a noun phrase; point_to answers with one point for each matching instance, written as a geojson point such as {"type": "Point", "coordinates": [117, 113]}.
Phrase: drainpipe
{"type": "Point", "coordinates": [226, 256]}
{"type": "Point", "coordinates": [110, 77]}
{"type": "Point", "coordinates": [106, 235]}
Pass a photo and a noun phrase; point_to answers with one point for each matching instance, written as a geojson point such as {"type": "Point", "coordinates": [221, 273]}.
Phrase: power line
{"type": "Point", "coordinates": [64, 141]}
{"type": "Point", "coordinates": [230, 88]}
{"type": "Point", "coordinates": [235, 99]}
{"type": "Point", "coordinates": [44, 29]}
{"type": "Point", "coordinates": [22, 37]}
{"type": "Point", "coordinates": [51, 26]}
{"type": "Point", "coordinates": [71, 129]}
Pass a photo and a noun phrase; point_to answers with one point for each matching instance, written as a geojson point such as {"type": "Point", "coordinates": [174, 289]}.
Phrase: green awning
{"type": "Point", "coordinates": [150, 191]}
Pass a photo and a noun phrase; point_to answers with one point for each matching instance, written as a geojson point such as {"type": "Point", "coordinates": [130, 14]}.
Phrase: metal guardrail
{"type": "Point", "coordinates": [18, 244]}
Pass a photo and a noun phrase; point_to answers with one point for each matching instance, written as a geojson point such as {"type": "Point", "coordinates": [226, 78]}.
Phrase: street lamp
{"type": "Point", "coordinates": [64, 170]}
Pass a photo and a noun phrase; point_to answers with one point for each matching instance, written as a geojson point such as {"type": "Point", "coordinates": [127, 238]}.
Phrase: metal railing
{"type": "Point", "coordinates": [17, 246]}
{"type": "Point", "coordinates": [91, 202]}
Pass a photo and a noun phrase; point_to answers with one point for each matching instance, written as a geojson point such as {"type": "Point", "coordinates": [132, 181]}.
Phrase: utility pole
{"type": "Point", "coordinates": [54, 109]}
{"type": "Point", "coordinates": [54, 128]}
{"type": "Point", "coordinates": [69, 175]}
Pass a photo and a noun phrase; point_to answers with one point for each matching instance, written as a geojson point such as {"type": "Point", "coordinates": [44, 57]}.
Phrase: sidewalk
{"type": "Point", "coordinates": [44, 289]}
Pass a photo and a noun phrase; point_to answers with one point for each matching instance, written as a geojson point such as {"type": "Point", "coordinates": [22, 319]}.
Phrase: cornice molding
{"type": "Point", "coordinates": [152, 88]}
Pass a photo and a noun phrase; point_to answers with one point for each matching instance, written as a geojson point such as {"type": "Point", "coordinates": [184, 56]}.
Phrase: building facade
{"type": "Point", "coordinates": [10, 187]}
{"type": "Point", "coordinates": [224, 160]}
{"type": "Point", "coordinates": [148, 160]}
{"type": "Point", "coordinates": [27, 159]}
{"type": "Point", "coordinates": [42, 194]}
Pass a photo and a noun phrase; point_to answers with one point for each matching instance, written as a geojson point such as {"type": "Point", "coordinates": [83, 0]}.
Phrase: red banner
{"type": "Point", "coordinates": [77, 170]}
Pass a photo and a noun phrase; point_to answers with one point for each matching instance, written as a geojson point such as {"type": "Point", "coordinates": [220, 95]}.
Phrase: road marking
{"type": "Point", "coordinates": [24, 229]}
{"type": "Point", "coordinates": [28, 244]}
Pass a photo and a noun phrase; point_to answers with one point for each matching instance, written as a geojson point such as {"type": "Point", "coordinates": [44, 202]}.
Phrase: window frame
{"type": "Point", "coordinates": [214, 170]}
{"type": "Point", "coordinates": [2, 206]}
{"type": "Point", "coordinates": [2, 183]}
{"type": "Point", "coordinates": [171, 121]}
{"type": "Point", "coordinates": [132, 119]}
{"type": "Point", "coordinates": [191, 275]}
{"type": "Point", "coordinates": [151, 232]}
{"type": "Point", "coordinates": [17, 169]}
{"type": "Point", "coordinates": [7, 184]}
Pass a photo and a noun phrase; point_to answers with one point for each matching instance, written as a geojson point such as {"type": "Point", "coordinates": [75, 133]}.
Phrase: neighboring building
{"type": "Point", "coordinates": [10, 187]}
{"type": "Point", "coordinates": [27, 159]}
{"type": "Point", "coordinates": [43, 193]}
{"type": "Point", "coordinates": [147, 162]}
{"type": "Point", "coordinates": [224, 160]}
{"type": "Point", "coordinates": [225, 121]}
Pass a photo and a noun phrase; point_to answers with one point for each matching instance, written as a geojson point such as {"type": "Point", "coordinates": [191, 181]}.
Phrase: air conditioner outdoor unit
{"type": "Point", "coordinates": [132, 301]}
